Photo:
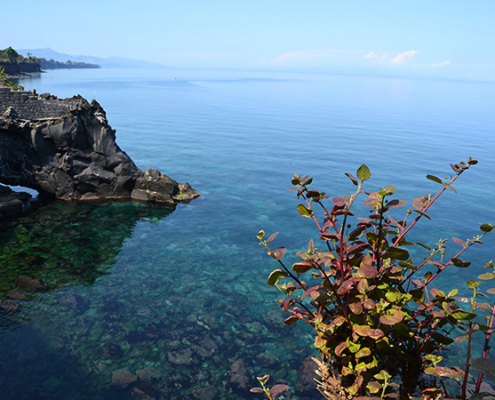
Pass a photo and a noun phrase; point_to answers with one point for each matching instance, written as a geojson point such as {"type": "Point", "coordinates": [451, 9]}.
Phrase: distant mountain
{"type": "Point", "coordinates": [110, 62]}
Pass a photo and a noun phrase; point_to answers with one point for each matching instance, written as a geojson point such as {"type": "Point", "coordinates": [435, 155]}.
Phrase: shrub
{"type": "Point", "coordinates": [379, 324]}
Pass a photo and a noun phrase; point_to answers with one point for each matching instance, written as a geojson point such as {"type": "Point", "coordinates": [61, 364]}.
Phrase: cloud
{"type": "Point", "coordinates": [372, 54]}
{"type": "Point", "coordinates": [401, 58]}
{"type": "Point", "coordinates": [441, 64]}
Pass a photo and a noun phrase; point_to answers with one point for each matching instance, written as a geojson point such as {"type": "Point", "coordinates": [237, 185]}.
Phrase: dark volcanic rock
{"type": "Point", "coordinates": [66, 149]}
{"type": "Point", "coordinates": [306, 385]}
{"type": "Point", "coordinates": [238, 377]}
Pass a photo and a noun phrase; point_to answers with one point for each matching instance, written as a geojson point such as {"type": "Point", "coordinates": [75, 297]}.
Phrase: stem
{"type": "Point", "coordinates": [426, 208]}
{"type": "Point", "coordinates": [468, 356]}
{"type": "Point", "coordinates": [485, 349]}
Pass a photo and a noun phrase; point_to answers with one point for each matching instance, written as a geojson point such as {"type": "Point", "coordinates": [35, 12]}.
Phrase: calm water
{"type": "Point", "coordinates": [183, 291]}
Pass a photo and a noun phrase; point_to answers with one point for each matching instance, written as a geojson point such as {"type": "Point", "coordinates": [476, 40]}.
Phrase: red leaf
{"type": "Point", "coordinates": [458, 241]}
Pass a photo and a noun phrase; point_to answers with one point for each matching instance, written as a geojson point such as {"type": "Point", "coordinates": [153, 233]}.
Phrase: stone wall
{"type": "Point", "coordinates": [32, 107]}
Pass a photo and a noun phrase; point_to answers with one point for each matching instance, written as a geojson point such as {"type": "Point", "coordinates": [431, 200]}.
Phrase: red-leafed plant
{"type": "Point", "coordinates": [379, 323]}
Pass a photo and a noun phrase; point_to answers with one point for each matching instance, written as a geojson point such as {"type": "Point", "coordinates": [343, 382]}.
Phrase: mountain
{"type": "Point", "coordinates": [109, 62]}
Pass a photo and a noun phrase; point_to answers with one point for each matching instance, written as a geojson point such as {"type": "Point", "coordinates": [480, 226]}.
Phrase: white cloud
{"type": "Point", "coordinates": [372, 54]}
{"type": "Point", "coordinates": [441, 64]}
{"type": "Point", "coordinates": [401, 58]}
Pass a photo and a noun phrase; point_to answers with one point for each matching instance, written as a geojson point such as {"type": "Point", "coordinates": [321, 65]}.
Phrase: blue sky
{"type": "Point", "coordinates": [452, 39]}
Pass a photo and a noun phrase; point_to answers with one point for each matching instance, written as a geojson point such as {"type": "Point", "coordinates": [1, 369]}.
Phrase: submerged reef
{"type": "Point", "coordinates": [65, 149]}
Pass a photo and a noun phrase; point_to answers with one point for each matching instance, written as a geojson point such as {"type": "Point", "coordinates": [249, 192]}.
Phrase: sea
{"type": "Point", "coordinates": [142, 301]}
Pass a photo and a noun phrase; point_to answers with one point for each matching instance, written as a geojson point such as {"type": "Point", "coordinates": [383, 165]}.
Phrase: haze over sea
{"type": "Point", "coordinates": [183, 291]}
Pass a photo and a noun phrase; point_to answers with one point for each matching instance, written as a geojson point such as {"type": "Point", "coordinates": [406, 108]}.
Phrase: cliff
{"type": "Point", "coordinates": [13, 69]}
{"type": "Point", "coordinates": [67, 150]}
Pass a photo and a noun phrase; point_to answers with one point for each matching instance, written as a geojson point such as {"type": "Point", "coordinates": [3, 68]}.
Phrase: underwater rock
{"type": "Point", "coordinates": [112, 351]}
{"type": "Point", "coordinates": [181, 357]}
{"type": "Point", "coordinates": [15, 294]}
{"type": "Point", "coordinates": [204, 393]}
{"type": "Point", "coordinates": [267, 360]}
{"type": "Point", "coordinates": [75, 302]}
{"type": "Point", "coordinates": [123, 377]}
{"type": "Point", "coordinates": [30, 284]}
{"type": "Point", "coordinates": [238, 377]}
{"type": "Point", "coordinates": [13, 203]}
{"type": "Point", "coordinates": [143, 393]}
{"type": "Point", "coordinates": [274, 319]}
{"type": "Point", "coordinates": [149, 375]}
{"type": "Point", "coordinates": [66, 149]}
{"type": "Point", "coordinates": [306, 385]}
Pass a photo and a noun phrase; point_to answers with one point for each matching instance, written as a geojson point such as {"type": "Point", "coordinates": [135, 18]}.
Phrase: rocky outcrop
{"type": "Point", "coordinates": [66, 149]}
{"type": "Point", "coordinates": [20, 68]}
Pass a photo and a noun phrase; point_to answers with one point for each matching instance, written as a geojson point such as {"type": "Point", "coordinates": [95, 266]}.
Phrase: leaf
{"type": "Point", "coordinates": [273, 236]}
{"type": "Point", "coordinates": [291, 320]}
{"type": "Point", "coordinates": [365, 330]}
{"type": "Point", "coordinates": [447, 186]}
{"type": "Point", "coordinates": [462, 315]}
{"type": "Point", "coordinates": [396, 203]}
{"type": "Point", "coordinates": [420, 202]}
{"type": "Point", "coordinates": [278, 254]}
{"type": "Point", "coordinates": [277, 390]}
{"type": "Point", "coordinates": [491, 291]}
{"type": "Point", "coordinates": [486, 228]}
{"type": "Point", "coordinates": [364, 352]}
{"type": "Point", "coordinates": [261, 234]}
{"type": "Point", "coordinates": [312, 193]}
{"type": "Point", "coordinates": [434, 178]}
{"type": "Point", "coordinates": [461, 338]}
{"type": "Point", "coordinates": [304, 211]}
{"type": "Point", "coordinates": [392, 317]}
{"type": "Point", "coordinates": [374, 387]}
{"type": "Point", "coordinates": [363, 173]}
{"type": "Point", "coordinates": [340, 348]}
{"type": "Point", "coordinates": [396, 253]}
{"type": "Point", "coordinates": [368, 271]}
{"type": "Point", "coordinates": [264, 379]}
{"type": "Point", "coordinates": [486, 277]}
{"type": "Point", "coordinates": [485, 366]}
{"type": "Point", "coordinates": [460, 264]}
{"type": "Point", "coordinates": [423, 214]}
{"type": "Point", "coordinates": [340, 201]}
{"type": "Point", "coordinates": [458, 241]}
{"type": "Point", "coordinates": [329, 236]}
{"type": "Point", "coordinates": [256, 390]}
{"type": "Point", "coordinates": [389, 190]}
{"type": "Point", "coordinates": [275, 276]}
{"type": "Point", "coordinates": [356, 308]}
{"type": "Point", "coordinates": [369, 304]}
{"type": "Point", "coordinates": [354, 181]}
{"type": "Point", "coordinates": [302, 267]}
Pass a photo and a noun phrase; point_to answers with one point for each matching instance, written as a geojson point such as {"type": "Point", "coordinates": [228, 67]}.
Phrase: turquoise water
{"type": "Point", "coordinates": [183, 291]}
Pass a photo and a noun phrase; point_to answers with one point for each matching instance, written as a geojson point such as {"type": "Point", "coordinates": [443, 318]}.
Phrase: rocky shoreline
{"type": "Point", "coordinates": [65, 149]}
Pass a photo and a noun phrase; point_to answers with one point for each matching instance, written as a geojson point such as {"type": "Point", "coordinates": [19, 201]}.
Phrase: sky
{"type": "Point", "coordinates": [440, 38]}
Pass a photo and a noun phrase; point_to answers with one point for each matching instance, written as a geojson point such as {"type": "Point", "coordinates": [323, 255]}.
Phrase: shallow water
{"type": "Point", "coordinates": [183, 291]}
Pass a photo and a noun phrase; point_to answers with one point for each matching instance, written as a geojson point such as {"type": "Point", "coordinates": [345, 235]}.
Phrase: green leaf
{"type": "Point", "coordinates": [389, 190]}
{"type": "Point", "coordinates": [460, 264]}
{"type": "Point", "coordinates": [275, 276]}
{"type": "Point", "coordinates": [363, 173]}
{"type": "Point", "coordinates": [261, 234]}
{"type": "Point", "coordinates": [304, 211]}
{"type": "Point", "coordinates": [487, 276]}
{"type": "Point", "coordinates": [462, 315]}
{"type": "Point", "coordinates": [396, 253]}
{"type": "Point", "coordinates": [486, 228]}
{"type": "Point", "coordinates": [472, 284]}
{"type": "Point", "coordinates": [434, 178]}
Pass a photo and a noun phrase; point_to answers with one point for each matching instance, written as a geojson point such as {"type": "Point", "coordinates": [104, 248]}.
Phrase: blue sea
{"type": "Point", "coordinates": [176, 296]}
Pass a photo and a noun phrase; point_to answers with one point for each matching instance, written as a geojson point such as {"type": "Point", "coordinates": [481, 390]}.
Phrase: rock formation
{"type": "Point", "coordinates": [66, 149]}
